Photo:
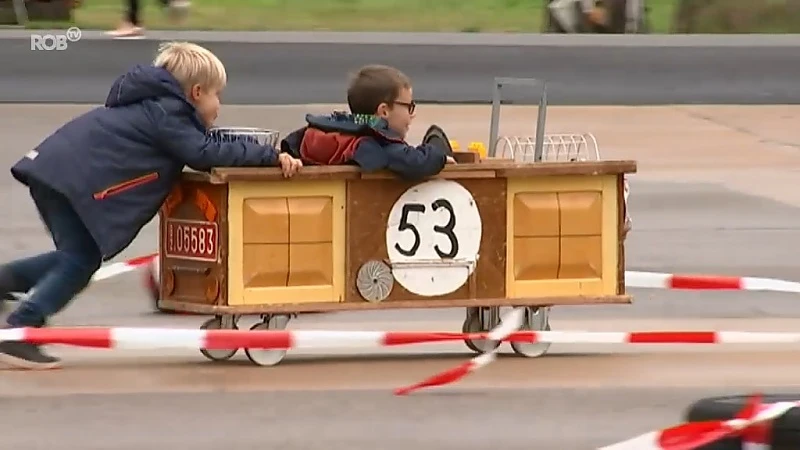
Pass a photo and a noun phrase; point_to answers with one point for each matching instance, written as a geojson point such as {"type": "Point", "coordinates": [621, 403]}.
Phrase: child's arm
{"type": "Point", "coordinates": [178, 136]}
{"type": "Point", "coordinates": [291, 143]}
{"type": "Point", "coordinates": [409, 162]}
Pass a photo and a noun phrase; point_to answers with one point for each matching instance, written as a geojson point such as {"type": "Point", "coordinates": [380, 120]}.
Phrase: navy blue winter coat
{"type": "Point", "coordinates": [363, 140]}
{"type": "Point", "coordinates": [117, 163]}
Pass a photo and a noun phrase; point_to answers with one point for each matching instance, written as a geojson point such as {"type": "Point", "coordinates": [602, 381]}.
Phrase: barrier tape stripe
{"type": "Point", "coordinates": [118, 268]}
{"type": "Point", "coordinates": [693, 435]}
{"type": "Point", "coordinates": [756, 432]}
{"type": "Point", "coordinates": [758, 436]}
{"type": "Point", "coordinates": [635, 279]}
{"type": "Point", "coordinates": [161, 338]}
{"type": "Point", "coordinates": [658, 280]}
{"type": "Point", "coordinates": [157, 338]}
{"type": "Point", "coordinates": [682, 437]}
{"type": "Point", "coordinates": [509, 324]}
{"type": "Point", "coordinates": [110, 270]}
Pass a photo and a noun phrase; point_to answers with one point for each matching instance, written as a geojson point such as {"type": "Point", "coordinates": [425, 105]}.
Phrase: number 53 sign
{"type": "Point", "coordinates": [433, 236]}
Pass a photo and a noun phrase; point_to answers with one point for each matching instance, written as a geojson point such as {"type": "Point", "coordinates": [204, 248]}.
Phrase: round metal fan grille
{"type": "Point", "coordinates": [374, 281]}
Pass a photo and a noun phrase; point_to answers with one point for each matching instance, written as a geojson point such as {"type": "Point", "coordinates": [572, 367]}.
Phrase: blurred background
{"type": "Point", "coordinates": [571, 16]}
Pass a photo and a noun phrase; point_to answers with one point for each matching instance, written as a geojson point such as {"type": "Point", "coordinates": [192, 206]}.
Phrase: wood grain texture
{"type": "Point", "coordinates": [187, 280]}
{"type": "Point", "coordinates": [369, 204]}
{"type": "Point", "coordinates": [279, 308]}
{"type": "Point", "coordinates": [501, 168]}
{"type": "Point", "coordinates": [621, 236]}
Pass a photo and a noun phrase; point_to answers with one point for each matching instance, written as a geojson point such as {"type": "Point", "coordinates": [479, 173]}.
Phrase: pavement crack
{"type": "Point", "coordinates": [740, 129]}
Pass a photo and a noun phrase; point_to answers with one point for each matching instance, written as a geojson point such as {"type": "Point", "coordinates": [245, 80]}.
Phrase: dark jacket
{"type": "Point", "coordinates": [117, 164]}
{"type": "Point", "coordinates": [367, 141]}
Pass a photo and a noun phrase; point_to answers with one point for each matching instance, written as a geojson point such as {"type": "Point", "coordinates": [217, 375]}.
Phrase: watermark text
{"type": "Point", "coordinates": [58, 42]}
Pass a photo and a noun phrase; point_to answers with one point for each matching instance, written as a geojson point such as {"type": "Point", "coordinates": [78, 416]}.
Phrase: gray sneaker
{"type": "Point", "coordinates": [23, 355]}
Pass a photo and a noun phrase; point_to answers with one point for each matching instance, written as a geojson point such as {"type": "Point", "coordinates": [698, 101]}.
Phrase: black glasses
{"type": "Point", "coordinates": [411, 106]}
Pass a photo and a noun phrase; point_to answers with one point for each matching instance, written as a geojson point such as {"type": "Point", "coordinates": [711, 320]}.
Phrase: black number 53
{"type": "Point", "coordinates": [446, 229]}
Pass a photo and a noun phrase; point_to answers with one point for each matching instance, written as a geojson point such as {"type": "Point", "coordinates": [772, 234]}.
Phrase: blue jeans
{"type": "Point", "coordinates": [59, 275]}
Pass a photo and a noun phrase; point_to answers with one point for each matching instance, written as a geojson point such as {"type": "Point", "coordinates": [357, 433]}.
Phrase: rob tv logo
{"type": "Point", "coordinates": [49, 42]}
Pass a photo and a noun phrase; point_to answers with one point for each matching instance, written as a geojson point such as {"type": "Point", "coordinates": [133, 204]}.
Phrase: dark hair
{"type": "Point", "coordinates": [375, 84]}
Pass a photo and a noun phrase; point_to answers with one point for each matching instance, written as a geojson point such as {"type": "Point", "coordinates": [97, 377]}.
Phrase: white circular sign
{"type": "Point", "coordinates": [433, 236]}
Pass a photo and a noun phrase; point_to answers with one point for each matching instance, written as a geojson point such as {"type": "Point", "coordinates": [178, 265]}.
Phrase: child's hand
{"type": "Point", "coordinates": [450, 160]}
{"type": "Point", "coordinates": [289, 165]}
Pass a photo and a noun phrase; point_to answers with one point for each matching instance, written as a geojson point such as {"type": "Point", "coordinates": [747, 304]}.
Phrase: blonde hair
{"type": "Point", "coordinates": [191, 64]}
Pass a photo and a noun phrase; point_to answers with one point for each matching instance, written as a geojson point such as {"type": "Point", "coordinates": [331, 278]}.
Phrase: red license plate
{"type": "Point", "coordinates": [189, 239]}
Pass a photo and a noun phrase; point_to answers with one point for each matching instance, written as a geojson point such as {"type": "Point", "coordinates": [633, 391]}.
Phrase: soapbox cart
{"type": "Point", "coordinates": [506, 230]}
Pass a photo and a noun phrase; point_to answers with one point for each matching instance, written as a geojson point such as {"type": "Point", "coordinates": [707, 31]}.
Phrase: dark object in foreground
{"type": "Point", "coordinates": [38, 11]}
{"type": "Point", "coordinates": [785, 429]}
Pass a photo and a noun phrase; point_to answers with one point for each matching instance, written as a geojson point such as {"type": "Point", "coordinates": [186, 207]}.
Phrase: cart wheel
{"type": "Point", "coordinates": [263, 357]}
{"type": "Point", "coordinates": [536, 319]}
{"type": "Point", "coordinates": [472, 324]}
{"type": "Point", "coordinates": [221, 354]}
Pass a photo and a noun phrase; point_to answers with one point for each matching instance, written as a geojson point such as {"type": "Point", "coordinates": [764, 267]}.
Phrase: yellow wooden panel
{"type": "Point", "coordinates": [575, 287]}
{"type": "Point", "coordinates": [603, 285]}
{"type": "Point", "coordinates": [265, 265]}
{"type": "Point", "coordinates": [581, 213]}
{"type": "Point", "coordinates": [536, 258]}
{"type": "Point", "coordinates": [610, 235]}
{"type": "Point", "coordinates": [288, 295]}
{"type": "Point", "coordinates": [536, 214]}
{"type": "Point", "coordinates": [310, 264]}
{"type": "Point", "coordinates": [310, 219]}
{"type": "Point", "coordinates": [581, 257]}
{"type": "Point", "coordinates": [265, 221]}
{"type": "Point", "coordinates": [238, 192]}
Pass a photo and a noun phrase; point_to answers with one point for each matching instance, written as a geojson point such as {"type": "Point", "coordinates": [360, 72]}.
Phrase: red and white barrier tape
{"type": "Point", "coordinates": [753, 423]}
{"type": "Point", "coordinates": [509, 324]}
{"type": "Point", "coordinates": [682, 437]}
{"type": "Point", "coordinates": [657, 280]}
{"type": "Point", "coordinates": [656, 337]}
{"type": "Point", "coordinates": [757, 436]}
{"type": "Point", "coordinates": [688, 436]}
{"type": "Point", "coordinates": [162, 338]}
{"type": "Point", "coordinates": [118, 268]}
{"type": "Point", "coordinates": [635, 279]}
{"type": "Point", "coordinates": [111, 270]}
{"type": "Point", "coordinates": [158, 338]}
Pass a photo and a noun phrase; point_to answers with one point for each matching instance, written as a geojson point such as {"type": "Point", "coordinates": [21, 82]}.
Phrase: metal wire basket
{"type": "Point", "coordinates": [556, 148]}
{"type": "Point", "coordinates": [262, 136]}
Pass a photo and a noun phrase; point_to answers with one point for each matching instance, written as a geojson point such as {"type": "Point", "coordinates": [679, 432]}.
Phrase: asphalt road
{"type": "Point", "coordinates": [547, 419]}
{"type": "Point", "coordinates": [290, 68]}
{"type": "Point", "coordinates": [575, 398]}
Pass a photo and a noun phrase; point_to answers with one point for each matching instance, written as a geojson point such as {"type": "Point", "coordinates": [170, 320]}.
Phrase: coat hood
{"type": "Point", "coordinates": [141, 83]}
{"type": "Point", "coordinates": [358, 124]}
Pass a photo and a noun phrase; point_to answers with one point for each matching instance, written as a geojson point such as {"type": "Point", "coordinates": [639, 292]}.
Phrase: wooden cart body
{"type": "Point", "coordinates": [488, 233]}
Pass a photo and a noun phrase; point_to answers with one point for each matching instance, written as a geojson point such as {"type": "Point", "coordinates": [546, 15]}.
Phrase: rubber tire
{"type": "Point", "coordinates": [786, 429]}
{"type": "Point", "coordinates": [469, 343]}
{"type": "Point", "coordinates": [215, 323]}
{"type": "Point", "coordinates": [518, 350]}
{"type": "Point", "coordinates": [467, 328]}
{"type": "Point", "coordinates": [279, 355]}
